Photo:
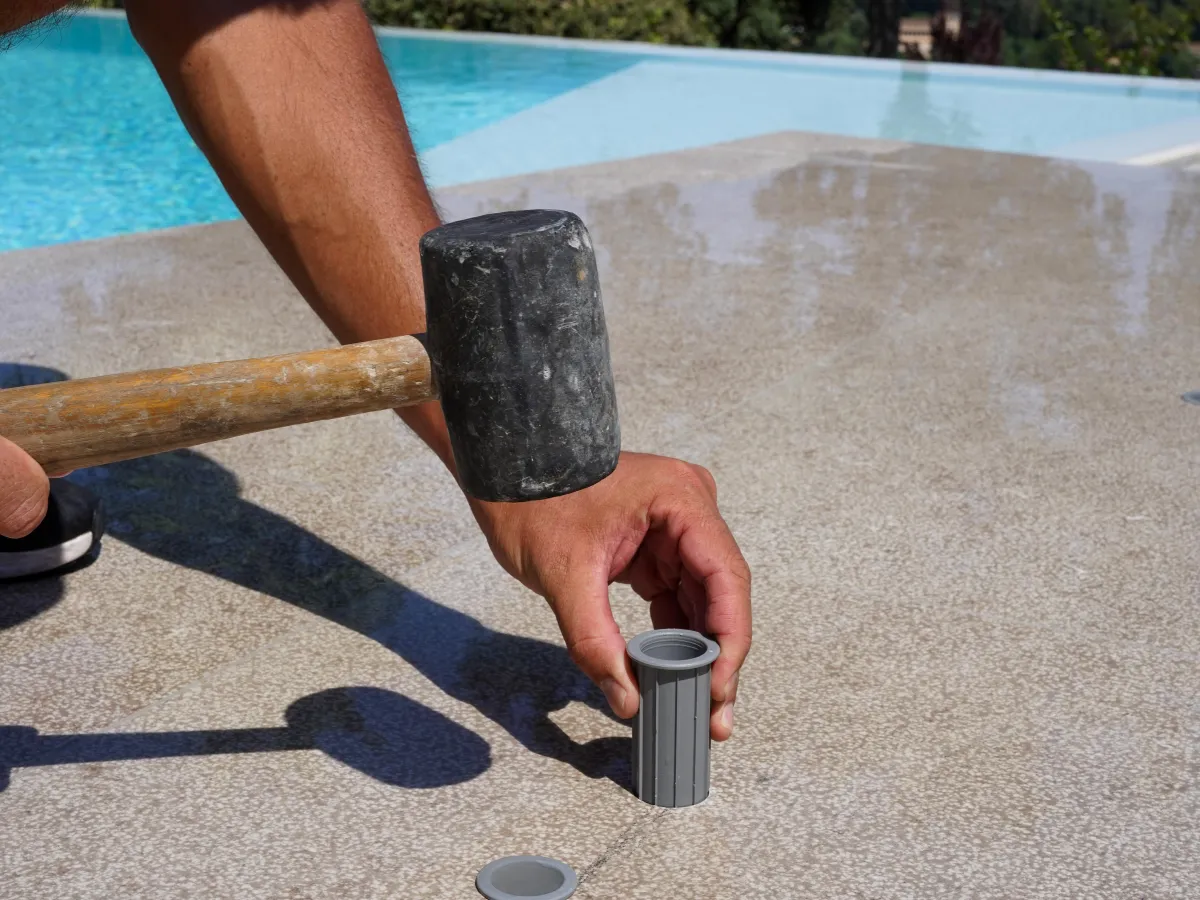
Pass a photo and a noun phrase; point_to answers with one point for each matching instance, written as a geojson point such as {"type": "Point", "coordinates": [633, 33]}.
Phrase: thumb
{"type": "Point", "coordinates": [593, 639]}
{"type": "Point", "coordinates": [24, 490]}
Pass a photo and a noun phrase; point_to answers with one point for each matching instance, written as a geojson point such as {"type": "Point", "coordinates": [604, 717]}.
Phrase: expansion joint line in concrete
{"type": "Point", "coordinates": [622, 841]}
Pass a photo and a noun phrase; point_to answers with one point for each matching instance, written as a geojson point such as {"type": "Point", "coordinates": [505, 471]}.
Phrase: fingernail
{"type": "Point", "coordinates": [614, 692]}
{"type": "Point", "coordinates": [727, 716]}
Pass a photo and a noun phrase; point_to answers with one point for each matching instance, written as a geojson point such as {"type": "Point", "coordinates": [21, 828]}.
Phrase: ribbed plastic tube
{"type": "Point", "coordinates": [671, 730]}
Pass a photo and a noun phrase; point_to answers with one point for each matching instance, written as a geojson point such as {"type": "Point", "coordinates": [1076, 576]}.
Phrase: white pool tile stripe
{"type": "Point", "coordinates": [1172, 154]}
{"type": "Point", "coordinates": [1153, 145]}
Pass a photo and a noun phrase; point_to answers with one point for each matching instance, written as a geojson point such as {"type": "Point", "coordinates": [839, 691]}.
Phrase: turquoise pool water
{"type": "Point", "coordinates": [90, 145]}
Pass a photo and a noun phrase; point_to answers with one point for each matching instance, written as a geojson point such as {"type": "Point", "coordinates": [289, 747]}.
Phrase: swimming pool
{"type": "Point", "coordinates": [90, 145]}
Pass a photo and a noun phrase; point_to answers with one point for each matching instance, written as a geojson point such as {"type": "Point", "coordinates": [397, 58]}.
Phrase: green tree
{"type": "Point", "coordinates": [765, 24]}
{"type": "Point", "coordinates": [883, 28]}
{"type": "Point", "coordinates": [1135, 40]}
{"type": "Point", "coordinates": [655, 21]}
{"type": "Point", "coordinates": [845, 31]}
{"type": "Point", "coordinates": [979, 38]}
{"type": "Point", "coordinates": [1140, 37]}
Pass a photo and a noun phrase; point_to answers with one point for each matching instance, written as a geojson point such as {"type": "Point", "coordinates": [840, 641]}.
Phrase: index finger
{"type": "Point", "coordinates": [711, 555]}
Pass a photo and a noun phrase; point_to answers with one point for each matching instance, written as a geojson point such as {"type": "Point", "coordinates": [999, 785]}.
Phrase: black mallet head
{"type": "Point", "coordinates": [516, 336]}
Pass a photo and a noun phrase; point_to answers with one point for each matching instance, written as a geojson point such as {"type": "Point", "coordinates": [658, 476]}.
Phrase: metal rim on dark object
{"type": "Point", "coordinates": [527, 878]}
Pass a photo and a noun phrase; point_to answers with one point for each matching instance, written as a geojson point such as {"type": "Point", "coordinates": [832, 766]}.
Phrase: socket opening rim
{"type": "Point", "coordinates": [660, 649]}
{"type": "Point", "coordinates": [498, 878]}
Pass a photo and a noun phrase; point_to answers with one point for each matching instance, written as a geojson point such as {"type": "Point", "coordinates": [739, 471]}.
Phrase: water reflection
{"type": "Point", "coordinates": [913, 116]}
{"type": "Point", "coordinates": [1024, 261]}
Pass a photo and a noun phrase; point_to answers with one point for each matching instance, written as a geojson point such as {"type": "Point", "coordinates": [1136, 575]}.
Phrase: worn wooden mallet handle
{"type": "Point", "coordinates": [92, 421]}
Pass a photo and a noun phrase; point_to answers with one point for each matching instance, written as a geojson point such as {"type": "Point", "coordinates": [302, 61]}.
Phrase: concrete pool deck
{"type": "Point", "coordinates": [940, 391]}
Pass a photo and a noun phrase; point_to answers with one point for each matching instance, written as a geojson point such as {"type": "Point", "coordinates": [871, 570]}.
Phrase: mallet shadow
{"type": "Point", "coordinates": [379, 733]}
{"type": "Point", "coordinates": [185, 508]}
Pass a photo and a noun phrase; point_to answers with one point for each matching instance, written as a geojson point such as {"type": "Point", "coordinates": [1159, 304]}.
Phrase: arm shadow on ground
{"type": "Point", "coordinates": [185, 508]}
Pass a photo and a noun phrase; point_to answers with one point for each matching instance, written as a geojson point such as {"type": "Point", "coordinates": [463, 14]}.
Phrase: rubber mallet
{"type": "Point", "coordinates": [516, 349]}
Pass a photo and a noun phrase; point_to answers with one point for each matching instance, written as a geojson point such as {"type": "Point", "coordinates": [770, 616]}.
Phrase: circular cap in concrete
{"type": "Point", "coordinates": [673, 649]}
{"type": "Point", "coordinates": [526, 878]}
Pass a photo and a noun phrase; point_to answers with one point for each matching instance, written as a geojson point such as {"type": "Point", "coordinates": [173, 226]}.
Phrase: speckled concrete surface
{"type": "Point", "coordinates": [941, 393]}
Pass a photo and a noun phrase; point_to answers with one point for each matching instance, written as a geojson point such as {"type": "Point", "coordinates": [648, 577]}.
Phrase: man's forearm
{"type": "Point", "coordinates": [298, 116]}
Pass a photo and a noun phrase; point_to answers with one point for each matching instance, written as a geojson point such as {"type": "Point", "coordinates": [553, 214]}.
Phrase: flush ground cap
{"type": "Point", "coordinates": [673, 650]}
{"type": "Point", "coordinates": [526, 878]}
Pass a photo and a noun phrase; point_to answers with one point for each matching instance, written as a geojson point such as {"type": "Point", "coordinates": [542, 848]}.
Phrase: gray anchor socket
{"type": "Point", "coordinates": [526, 878]}
{"type": "Point", "coordinates": [671, 730]}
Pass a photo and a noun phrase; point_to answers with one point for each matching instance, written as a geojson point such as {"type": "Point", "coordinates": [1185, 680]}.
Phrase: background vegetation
{"type": "Point", "coordinates": [1144, 37]}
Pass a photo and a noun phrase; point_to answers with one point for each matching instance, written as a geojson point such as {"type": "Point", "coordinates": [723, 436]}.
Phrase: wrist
{"type": "Point", "coordinates": [427, 421]}
{"type": "Point", "coordinates": [485, 512]}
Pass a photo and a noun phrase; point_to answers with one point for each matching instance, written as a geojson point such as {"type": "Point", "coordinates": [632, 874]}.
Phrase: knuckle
{"type": "Point", "coordinates": [706, 479]}
{"type": "Point", "coordinates": [581, 649]}
{"type": "Point", "coordinates": [738, 568]}
{"type": "Point", "coordinates": [693, 477]}
{"type": "Point", "coordinates": [734, 682]}
{"type": "Point", "coordinates": [681, 471]}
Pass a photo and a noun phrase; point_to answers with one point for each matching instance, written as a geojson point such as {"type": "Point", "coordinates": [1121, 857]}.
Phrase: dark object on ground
{"type": "Point", "coordinates": [73, 525]}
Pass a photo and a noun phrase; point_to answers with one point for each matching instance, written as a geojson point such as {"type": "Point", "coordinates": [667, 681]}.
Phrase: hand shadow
{"type": "Point", "coordinates": [376, 732]}
{"type": "Point", "coordinates": [184, 508]}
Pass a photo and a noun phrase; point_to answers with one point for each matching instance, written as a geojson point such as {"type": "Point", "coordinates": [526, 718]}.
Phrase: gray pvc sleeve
{"type": "Point", "coordinates": [671, 742]}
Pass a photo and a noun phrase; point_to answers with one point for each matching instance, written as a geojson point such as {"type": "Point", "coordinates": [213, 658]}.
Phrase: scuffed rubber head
{"type": "Point", "coordinates": [516, 334]}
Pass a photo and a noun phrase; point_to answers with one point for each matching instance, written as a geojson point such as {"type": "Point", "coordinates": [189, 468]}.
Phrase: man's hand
{"type": "Point", "coordinates": [24, 490]}
{"type": "Point", "coordinates": [652, 524]}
